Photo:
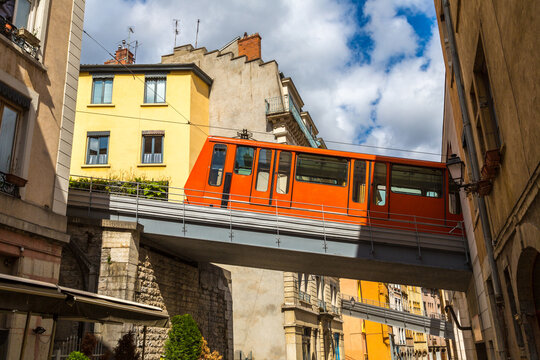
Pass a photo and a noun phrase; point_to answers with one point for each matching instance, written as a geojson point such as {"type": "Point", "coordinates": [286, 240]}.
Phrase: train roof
{"type": "Point", "coordinates": [310, 150]}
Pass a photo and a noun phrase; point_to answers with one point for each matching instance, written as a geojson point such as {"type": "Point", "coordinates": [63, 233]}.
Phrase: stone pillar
{"type": "Point", "coordinates": [293, 342]}
{"type": "Point", "coordinates": [118, 270]}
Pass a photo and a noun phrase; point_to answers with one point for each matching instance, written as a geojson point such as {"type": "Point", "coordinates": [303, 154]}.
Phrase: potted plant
{"type": "Point", "coordinates": [28, 36]}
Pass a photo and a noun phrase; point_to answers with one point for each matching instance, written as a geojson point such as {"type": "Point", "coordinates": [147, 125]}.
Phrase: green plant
{"type": "Point", "coordinates": [75, 355]}
{"type": "Point", "coordinates": [126, 348]}
{"type": "Point", "coordinates": [149, 188]}
{"type": "Point", "coordinates": [184, 342]}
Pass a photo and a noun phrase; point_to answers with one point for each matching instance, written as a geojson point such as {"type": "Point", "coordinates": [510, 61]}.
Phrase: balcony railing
{"type": "Point", "coordinates": [322, 305]}
{"type": "Point", "coordinates": [285, 103]}
{"type": "Point", "coordinates": [20, 37]}
{"type": "Point", "coordinates": [9, 184]}
{"type": "Point", "coordinates": [304, 296]}
{"type": "Point", "coordinates": [336, 310]}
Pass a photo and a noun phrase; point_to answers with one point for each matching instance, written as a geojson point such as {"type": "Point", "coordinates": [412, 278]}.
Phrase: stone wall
{"type": "Point", "coordinates": [202, 290]}
{"type": "Point", "coordinates": [110, 258]}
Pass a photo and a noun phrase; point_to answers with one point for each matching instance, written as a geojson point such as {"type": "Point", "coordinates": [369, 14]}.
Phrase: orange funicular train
{"type": "Point", "coordinates": [325, 184]}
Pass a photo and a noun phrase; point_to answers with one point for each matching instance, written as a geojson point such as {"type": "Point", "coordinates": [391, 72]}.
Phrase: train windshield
{"type": "Point", "coordinates": [322, 169]}
{"type": "Point", "coordinates": [243, 163]}
{"type": "Point", "coordinates": [415, 180]}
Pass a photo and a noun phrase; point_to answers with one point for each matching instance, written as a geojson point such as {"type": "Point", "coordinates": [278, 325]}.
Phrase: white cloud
{"type": "Point", "coordinates": [310, 41]}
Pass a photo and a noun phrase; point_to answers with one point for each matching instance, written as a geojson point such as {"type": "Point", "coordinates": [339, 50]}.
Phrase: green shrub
{"type": "Point", "coordinates": [126, 349]}
{"type": "Point", "coordinates": [77, 356]}
{"type": "Point", "coordinates": [184, 342]}
{"type": "Point", "coordinates": [149, 188]}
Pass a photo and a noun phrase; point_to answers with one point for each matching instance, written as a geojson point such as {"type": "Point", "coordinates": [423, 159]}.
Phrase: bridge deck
{"type": "Point", "coordinates": [286, 243]}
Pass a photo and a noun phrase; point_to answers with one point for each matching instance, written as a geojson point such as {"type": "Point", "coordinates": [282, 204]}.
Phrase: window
{"type": "Point", "coordinates": [154, 89]}
{"type": "Point", "coordinates": [284, 170]}
{"type": "Point", "coordinates": [415, 180]}
{"type": "Point", "coordinates": [322, 169]}
{"type": "Point", "coordinates": [243, 163]}
{"type": "Point", "coordinates": [218, 163]}
{"type": "Point", "coordinates": [21, 9]}
{"type": "Point", "coordinates": [9, 117]}
{"type": "Point", "coordinates": [102, 90]}
{"type": "Point", "coordinates": [97, 148]}
{"type": "Point", "coordinates": [263, 170]}
{"type": "Point", "coordinates": [152, 148]}
{"type": "Point", "coordinates": [379, 184]}
{"type": "Point", "coordinates": [359, 181]}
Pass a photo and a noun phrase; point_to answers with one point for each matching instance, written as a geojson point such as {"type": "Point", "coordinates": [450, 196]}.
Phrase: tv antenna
{"type": "Point", "coordinates": [197, 34]}
{"type": "Point", "coordinates": [176, 29]}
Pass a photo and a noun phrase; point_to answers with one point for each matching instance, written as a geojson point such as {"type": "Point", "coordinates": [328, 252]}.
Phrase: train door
{"type": "Point", "coordinates": [281, 193]}
{"type": "Point", "coordinates": [241, 176]}
{"type": "Point", "coordinates": [261, 188]}
{"type": "Point", "coordinates": [379, 191]}
{"type": "Point", "coordinates": [215, 188]}
{"type": "Point", "coordinates": [358, 194]}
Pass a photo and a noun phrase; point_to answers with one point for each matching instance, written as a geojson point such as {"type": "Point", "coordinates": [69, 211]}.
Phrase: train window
{"type": "Point", "coordinates": [379, 184]}
{"type": "Point", "coordinates": [454, 204]}
{"type": "Point", "coordinates": [284, 170]}
{"type": "Point", "coordinates": [415, 180]}
{"type": "Point", "coordinates": [263, 170]}
{"type": "Point", "coordinates": [322, 169]}
{"type": "Point", "coordinates": [359, 181]}
{"type": "Point", "coordinates": [243, 163]}
{"type": "Point", "coordinates": [218, 163]}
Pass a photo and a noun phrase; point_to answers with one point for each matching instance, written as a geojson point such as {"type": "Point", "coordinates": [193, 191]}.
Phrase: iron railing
{"type": "Point", "coordinates": [326, 217]}
{"type": "Point", "coordinates": [285, 103]}
{"type": "Point", "coordinates": [11, 32]}
{"type": "Point", "coordinates": [8, 187]}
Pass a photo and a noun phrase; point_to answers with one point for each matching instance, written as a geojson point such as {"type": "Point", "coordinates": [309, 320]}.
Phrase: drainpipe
{"type": "Point", "coordinates": [473, 160]}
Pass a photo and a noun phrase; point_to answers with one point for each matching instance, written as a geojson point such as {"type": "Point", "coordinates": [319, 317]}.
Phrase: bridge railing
{"type": "Point", "coordinates": [325, 214]}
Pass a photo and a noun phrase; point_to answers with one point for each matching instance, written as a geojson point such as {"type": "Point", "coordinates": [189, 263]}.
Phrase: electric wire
{"type": "Point", "coordinates": [227, 128]}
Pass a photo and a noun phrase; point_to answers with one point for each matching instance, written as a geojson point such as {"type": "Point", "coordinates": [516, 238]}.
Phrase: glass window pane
{"type": "Point", "coordinates": [158, 144]}
{"type": "Point", "coordinates": [97, 92]}
{"type": "Point", "coordinates": [415, 180]}
{"type": "Point", "coordinates": [160, 90]}
{"type": "Point", "coordinates": [147, 144]}
{"type": "Point", "coordinates": [359, 181]}
{"type": "Point", "coordinates": [284, 170]}
{"type": "Point", "coordinates": [107, 91]}
{"type": "Point", "coordinates": [150, 91]}
{"type": "Point", "coordinates": [244, 160]}
{"type": "Point", "coordinates": [322, 169]}
{"type": "Point", "coordinates": [7, 137]}
{"type": "Point", "coordinates": [379, 184]}
{"type": "Point", "coordinates": [454, 204]}
{"type": "Point", "coordinates": [218, 163]}
{"type": "Point", "coordinates": [263, 170]}
{"type": "Point", "coordinates": [23, 11]}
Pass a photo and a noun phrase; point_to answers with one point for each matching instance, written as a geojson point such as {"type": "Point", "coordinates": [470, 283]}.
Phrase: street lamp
{"type": "Point", "coordinates": [456, 168]}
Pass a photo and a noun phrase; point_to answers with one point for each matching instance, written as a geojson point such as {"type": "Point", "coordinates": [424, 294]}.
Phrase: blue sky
{"type": "Point", "coordinates": [369, 71]}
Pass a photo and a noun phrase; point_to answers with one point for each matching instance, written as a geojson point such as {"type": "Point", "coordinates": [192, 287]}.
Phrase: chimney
{"type": "Point", "coordinates": [122, 56]}
{"type": "Point", "coordinates": [250, 46]}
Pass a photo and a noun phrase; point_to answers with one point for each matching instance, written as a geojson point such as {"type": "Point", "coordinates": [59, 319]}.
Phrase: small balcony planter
{"type": "Point", "coordinates": [492, 158]}
{"type": "Point", "coordinates": [16, 180]}
{"type": "Point", "coordinates": [28, 37]}
{"type": "Point", "coordinates": [489, 172]}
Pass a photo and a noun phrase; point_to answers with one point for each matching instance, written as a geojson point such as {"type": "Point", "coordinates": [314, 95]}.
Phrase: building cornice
{"type": "Point", "coordinates": [146, 68]}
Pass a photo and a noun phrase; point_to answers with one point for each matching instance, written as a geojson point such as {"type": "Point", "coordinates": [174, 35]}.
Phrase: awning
{"type": "Point", "coordinates": [49, 300]}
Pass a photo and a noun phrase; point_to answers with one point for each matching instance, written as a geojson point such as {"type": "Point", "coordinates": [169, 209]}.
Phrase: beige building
{"type": "Point", "coordinates": [276, 315]}
{"type": "Point", "coordinates": [491, 51]}
{"type": "Point", "coordinates": [40, 44]}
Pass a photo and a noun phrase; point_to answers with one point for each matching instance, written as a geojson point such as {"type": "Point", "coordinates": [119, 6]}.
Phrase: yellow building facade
{"type": "Point", "coordinates": [140, 121]}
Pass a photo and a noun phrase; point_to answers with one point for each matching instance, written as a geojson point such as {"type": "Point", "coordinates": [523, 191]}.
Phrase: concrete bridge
{"type": "Point", "coordinates": [281, 242]}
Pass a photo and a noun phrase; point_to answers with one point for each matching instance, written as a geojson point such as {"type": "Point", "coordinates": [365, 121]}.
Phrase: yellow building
{"type": "Point", "coordinates": [140, 121]}
{"type": "Point", "coordinates": [416, 306]}
{"type": "Point", "coordinates": [365, 339]}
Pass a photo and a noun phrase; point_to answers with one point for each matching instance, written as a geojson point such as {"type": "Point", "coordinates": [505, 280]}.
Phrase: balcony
{"type": "Point", "coordinates": [20, 37]}
{"type": "Point", "coordinates": [321, 305]}
{"type": "Point", "coordinates": [10, 184]}
{"type": "Point", "coordinates": [303, 296]}
{"type": "Point", "coordinates": [278, 106]}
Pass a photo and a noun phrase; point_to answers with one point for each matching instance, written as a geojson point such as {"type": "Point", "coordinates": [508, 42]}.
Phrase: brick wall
{"type": "Point", "coordinates": [250, 46]}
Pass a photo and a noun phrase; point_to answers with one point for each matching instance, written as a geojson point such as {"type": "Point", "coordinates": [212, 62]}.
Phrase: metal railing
{"type": "Point", "coordinates": [11, 32]}
{"type": "Point", "coordinates": [326, 217]}
{"type": "Point", "coordinates": [8, 187]}
{"type": "Point", "coordinates": [285, 103]}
